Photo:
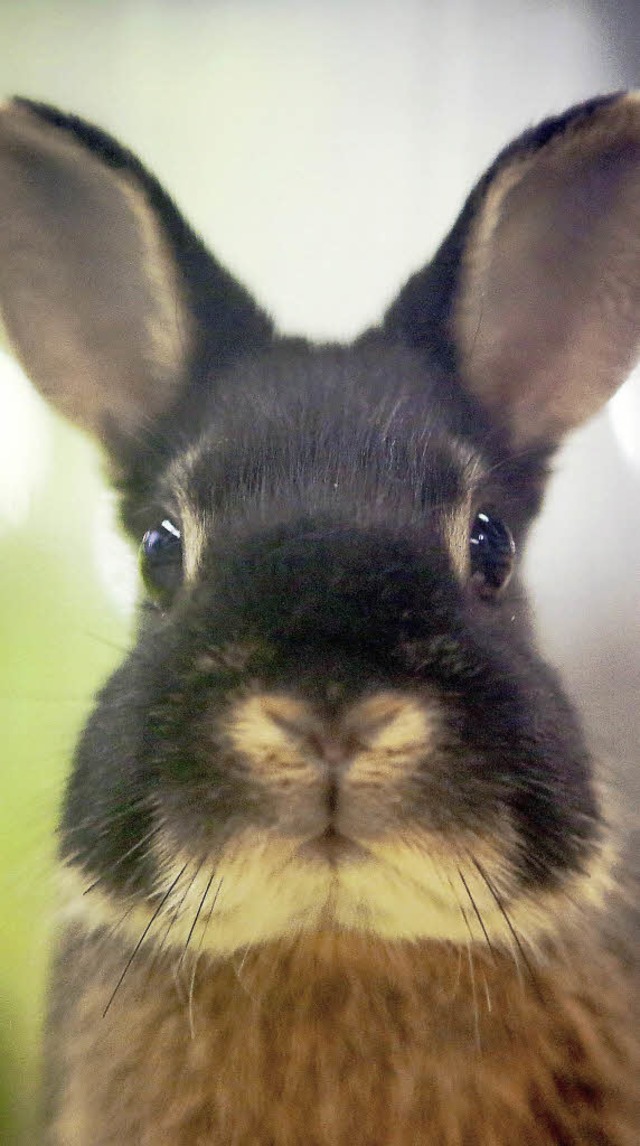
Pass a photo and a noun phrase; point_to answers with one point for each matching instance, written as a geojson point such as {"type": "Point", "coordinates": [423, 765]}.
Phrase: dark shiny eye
{"type": "Point", "coordinates": [161, 560]}
{"type": "Point", "coordinates": [492, 553]}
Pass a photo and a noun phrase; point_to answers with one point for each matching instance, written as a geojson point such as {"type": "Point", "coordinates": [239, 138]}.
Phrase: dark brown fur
{"type": "Point", "coordinates": [343, 1041]}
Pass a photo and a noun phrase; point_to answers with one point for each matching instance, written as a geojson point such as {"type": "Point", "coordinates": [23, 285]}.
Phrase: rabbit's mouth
{"type": "Point", "coordinates": [365, 815]}
{"type": "Point", "coordinates": [263, 887]}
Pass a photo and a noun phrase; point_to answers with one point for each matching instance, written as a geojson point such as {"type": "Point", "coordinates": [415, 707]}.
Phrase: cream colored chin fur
{"type": "Point", "coordinates": [263, 888]}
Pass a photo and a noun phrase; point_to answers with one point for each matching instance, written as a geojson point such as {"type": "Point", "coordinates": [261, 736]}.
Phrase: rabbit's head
{"type": "Point", "coordinates": [335, 715]}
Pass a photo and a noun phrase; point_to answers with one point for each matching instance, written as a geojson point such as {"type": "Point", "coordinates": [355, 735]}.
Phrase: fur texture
{"type": "Point", "coordinates": [338, 1040]}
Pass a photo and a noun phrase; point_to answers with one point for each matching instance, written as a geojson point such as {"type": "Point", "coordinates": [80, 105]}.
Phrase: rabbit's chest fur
{"type": "Point", "coordinates": [342, 1041]}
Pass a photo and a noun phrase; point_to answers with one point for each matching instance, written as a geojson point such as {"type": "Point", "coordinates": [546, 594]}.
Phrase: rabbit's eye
{"type": "Point", "coordinates": [492, 553]}
{"type": "Point", "coordinates": [161, 560]}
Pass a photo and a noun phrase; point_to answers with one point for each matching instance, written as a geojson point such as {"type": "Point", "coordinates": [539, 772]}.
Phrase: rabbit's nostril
{"type": "Point", "coordinates": [319, 739]}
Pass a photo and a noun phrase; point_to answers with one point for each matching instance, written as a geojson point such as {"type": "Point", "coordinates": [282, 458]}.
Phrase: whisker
{"type": "Point", "coordinates": [198, 955]}
{"type": "Point", "coordinates": [196, 916]}
{"type": "Point", "coordinates": [119, 812]}
{"type": "Point", "coordinates": [456, 984]}
{"type": "Point", "coordinates": [159, 947]}
{"type": "Point", "coordinates": [143, 937]}
{"type": "Point", "coordinates": [210, 913]}
{"type": "Point", "coordinates": [463, 913]}
{"type": "Point", "coordinates": [238, 968]}
{"type": "Point", "coordinates": [409, 880]}
{"type": "Point", "coordinates": [192, 984]}
{"type": "Point", "coordinates": [177, 912]}
{"type": "Point", "coordinates": [105, 641]}
{"type": "Point", "coordinates": [512, 930]}
{"type": "Point", "coordinates": [477, 912]}
{"type": "Point", "coordinates": [113, 930]}
{"type": "Point", "coordinates": [487, 993]}
{"type": "Point", "coordinates": [474, 997]}
{"type": "Point", "coordinates": [156, 954]}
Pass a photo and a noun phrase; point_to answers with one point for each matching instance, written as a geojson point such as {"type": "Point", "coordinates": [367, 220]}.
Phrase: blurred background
{"type": "Point", "coordinates": [322, 147]}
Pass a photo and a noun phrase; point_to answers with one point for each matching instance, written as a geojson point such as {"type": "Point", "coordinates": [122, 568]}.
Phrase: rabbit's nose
{"type": "Point", "coordinates": [334, 741]}
{"type": "Point", "coordinates": [319, 740]}
{"type": "Point", "coordinates": [277, 734]}
{"type": "Point", "coordinates": [345, 772]}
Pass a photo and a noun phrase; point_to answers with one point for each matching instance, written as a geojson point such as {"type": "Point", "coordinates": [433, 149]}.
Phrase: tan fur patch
{"type": "Point", "coordinates": [194, 538]}
{"type": "Point", "coordinates": [194, 524]}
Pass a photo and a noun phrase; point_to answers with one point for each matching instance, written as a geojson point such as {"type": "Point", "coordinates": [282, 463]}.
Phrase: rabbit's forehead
{"type": "Point", "coordinates": [441, 468]}
{"type": "Point", "coordinates": [350, 437]}
{"type": "Point", "coordinates": [428, 479]}
{"type": "Point", "coordinates": [319, 442]}
{"type": "Point", "coordinates": [312, 417]}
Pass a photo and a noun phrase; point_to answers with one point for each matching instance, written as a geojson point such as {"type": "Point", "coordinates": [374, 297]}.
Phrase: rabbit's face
{"type": "Point", "coordinates": [335, 715]}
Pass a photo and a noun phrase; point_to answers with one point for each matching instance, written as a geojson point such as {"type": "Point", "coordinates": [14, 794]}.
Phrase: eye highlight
{"type": "Point", "coordinates": [161, 560]}
{"type": "Point", "coordinates": [492, 552]}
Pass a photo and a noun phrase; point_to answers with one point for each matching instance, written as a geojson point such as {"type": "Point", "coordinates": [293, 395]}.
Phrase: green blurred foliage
{"type": "Point", "coordinates": [60, 635]}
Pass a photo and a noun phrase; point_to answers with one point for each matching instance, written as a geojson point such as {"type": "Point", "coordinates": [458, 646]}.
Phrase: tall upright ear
{"type": "Point", "coordinates": [110, 301]}
{"type": "Point", "coordinates": [534, 298]}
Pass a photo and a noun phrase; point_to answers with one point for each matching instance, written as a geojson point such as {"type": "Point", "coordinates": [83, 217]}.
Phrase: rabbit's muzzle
{"type": "Point", "coordinates": [332, 777]}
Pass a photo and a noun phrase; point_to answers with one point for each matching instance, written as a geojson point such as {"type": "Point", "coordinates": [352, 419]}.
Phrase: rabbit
{"type": "Point", "coordinates": [336, 863]}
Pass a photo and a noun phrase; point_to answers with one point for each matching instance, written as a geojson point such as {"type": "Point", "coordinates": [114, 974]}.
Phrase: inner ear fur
{"type": "Point", "coordinates": [535, 296]}
{"type": "Point", "coordinates": [108, 298]}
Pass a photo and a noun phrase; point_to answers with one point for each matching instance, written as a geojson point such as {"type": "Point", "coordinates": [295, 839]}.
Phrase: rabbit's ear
{"type": "Point", "coordinates": [109, 299]}
{"type": "Point", "coordinates": [535, 296]}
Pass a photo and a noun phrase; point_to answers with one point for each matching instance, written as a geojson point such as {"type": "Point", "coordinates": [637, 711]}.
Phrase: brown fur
{"type": "Point", "coordinates": [340, 1040]}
